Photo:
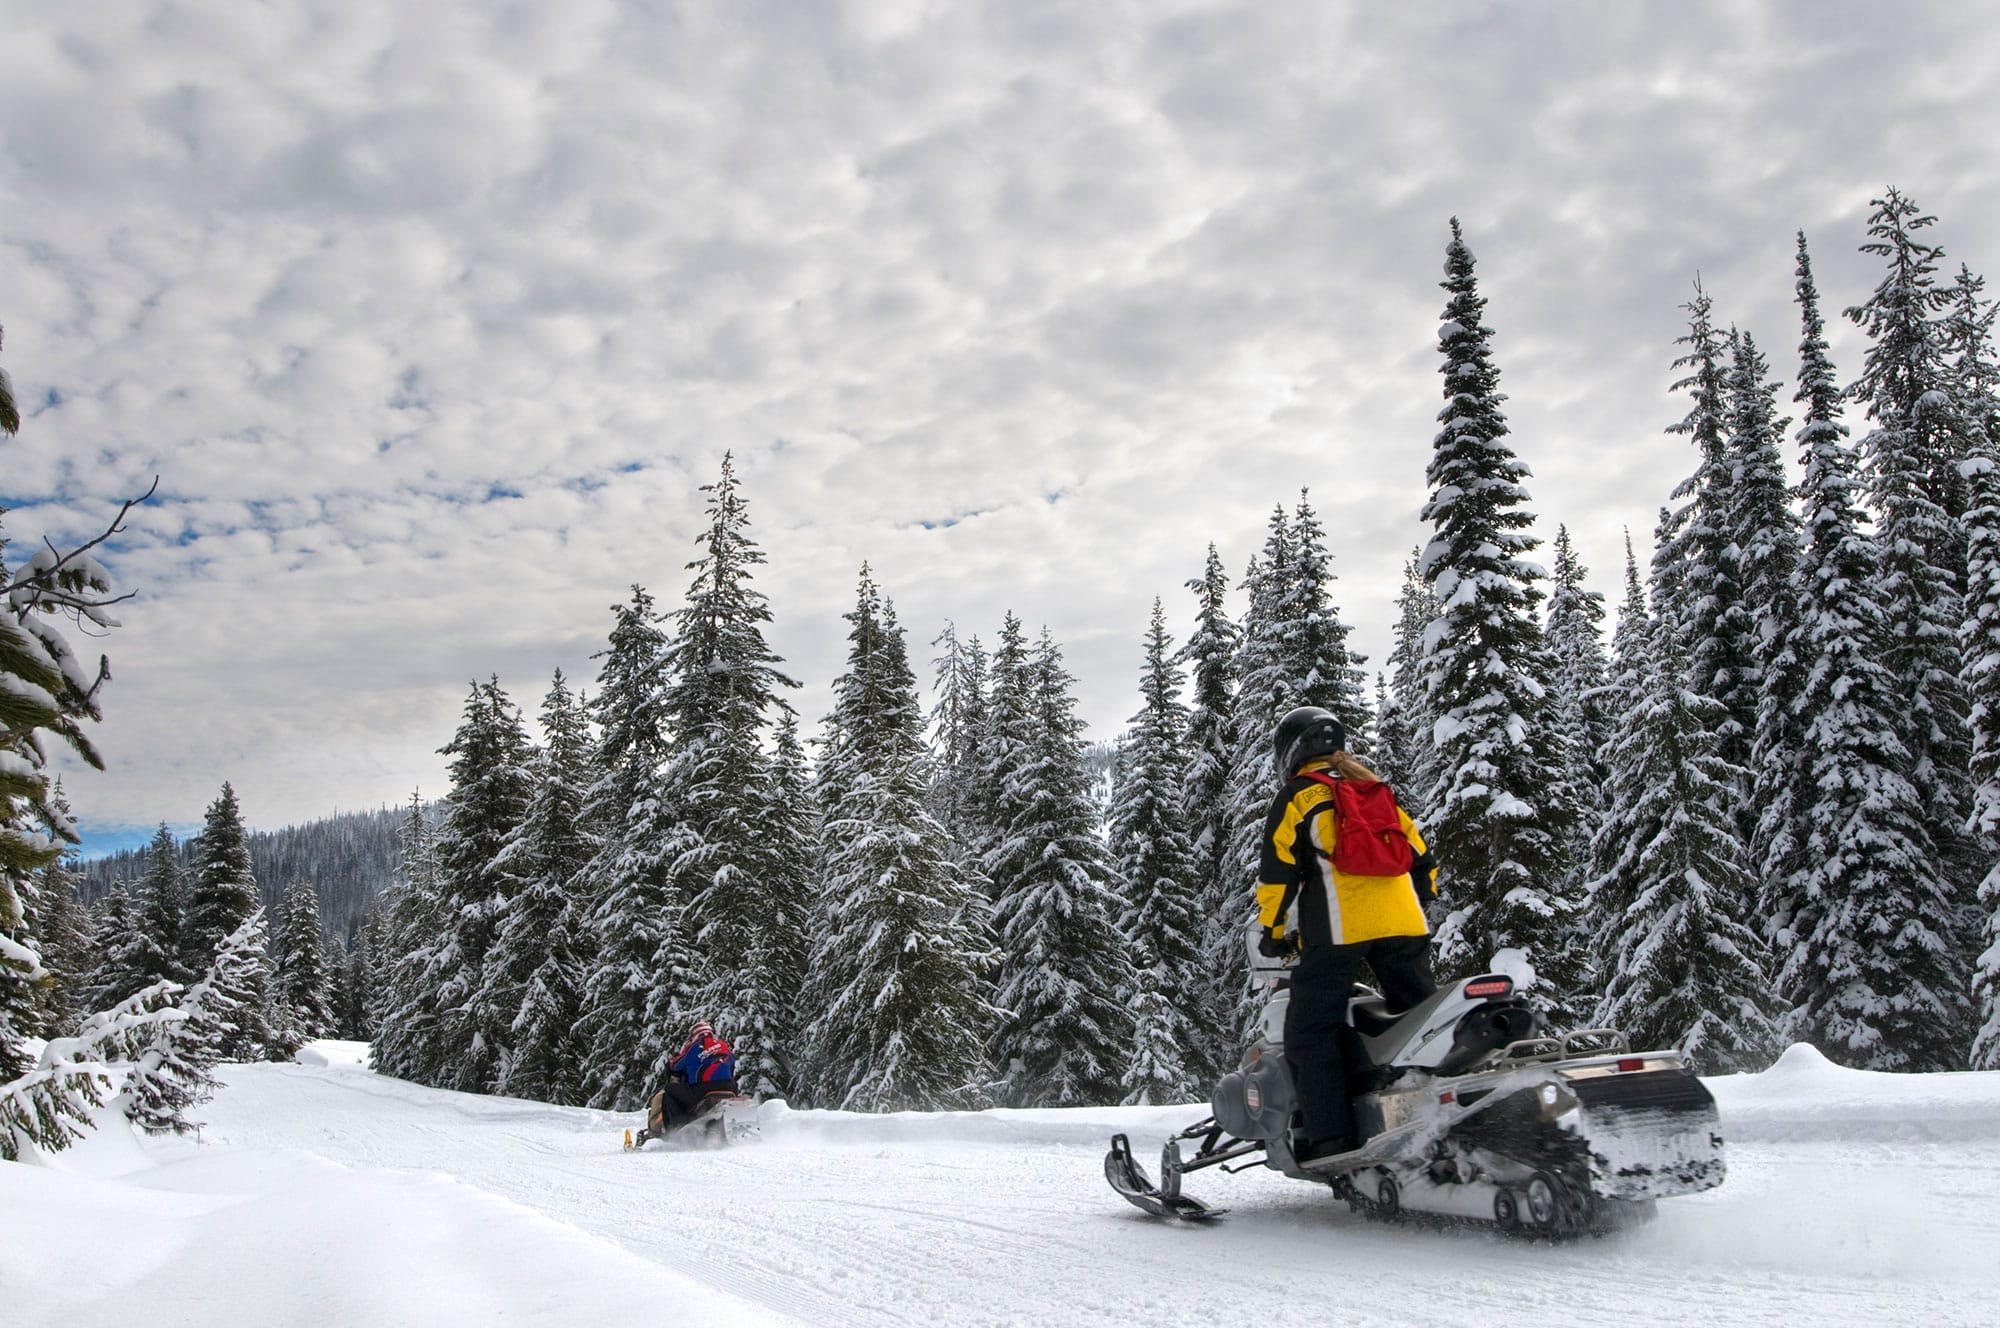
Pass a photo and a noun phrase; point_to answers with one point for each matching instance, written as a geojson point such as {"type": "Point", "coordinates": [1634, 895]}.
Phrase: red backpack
{"type": "Point", "coordinates": [1368, 834]}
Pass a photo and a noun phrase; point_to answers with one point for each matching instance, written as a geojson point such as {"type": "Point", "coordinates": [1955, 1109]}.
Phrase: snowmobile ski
{"type": "Point", "coordinates": [1130, 1180]}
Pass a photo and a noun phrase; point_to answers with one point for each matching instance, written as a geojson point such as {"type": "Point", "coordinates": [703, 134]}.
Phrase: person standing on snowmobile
{"type": "Point", "coordinates": [1339, 920]}
{"type": "Point", "coordinates": [705, 1064]}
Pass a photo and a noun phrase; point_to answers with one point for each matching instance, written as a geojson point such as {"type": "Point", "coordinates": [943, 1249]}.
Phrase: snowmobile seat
{"type": "Point", "coordinates": [1368, 1013]}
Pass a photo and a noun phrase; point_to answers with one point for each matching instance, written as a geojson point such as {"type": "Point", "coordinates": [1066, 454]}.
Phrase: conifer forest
{"type": "Point", "coordinates": [1758, 804]}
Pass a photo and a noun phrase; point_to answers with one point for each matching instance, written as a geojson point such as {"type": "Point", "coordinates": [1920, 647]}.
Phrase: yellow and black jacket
{"type": "Point", "coordinates": [1330, 907]}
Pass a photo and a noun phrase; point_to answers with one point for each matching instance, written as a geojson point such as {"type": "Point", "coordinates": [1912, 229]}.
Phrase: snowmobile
{"type": "Point", "coordinates": [720, 1117]}
{"type": "Point", "coordinates": [1466, 1110]}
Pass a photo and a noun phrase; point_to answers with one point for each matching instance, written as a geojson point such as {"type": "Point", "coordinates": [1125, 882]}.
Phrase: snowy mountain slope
{"type": "Point", "coordinates": [326, 1194]}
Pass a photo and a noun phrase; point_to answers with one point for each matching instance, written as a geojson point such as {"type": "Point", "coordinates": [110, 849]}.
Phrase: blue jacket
{"type": "Point", "coordinates": [706, 1061]}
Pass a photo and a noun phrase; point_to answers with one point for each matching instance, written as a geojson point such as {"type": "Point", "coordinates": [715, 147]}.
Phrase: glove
{"type": "Point", "coordinates": [1423, 875]}
{"type": "Point", "coordinates": [1273, 946]}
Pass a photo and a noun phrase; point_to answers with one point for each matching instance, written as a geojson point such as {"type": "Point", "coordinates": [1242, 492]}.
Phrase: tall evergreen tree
{"type": "Point", "coordinates": [46, 691]}
{"type": "Point", "coordinates": [410, 1036]}
{"type": "Point", "coordinates": [62, 932]}
{"type": "Point", "coordinates": [162, 907]}
{"type": "Point", "coordinates": [1852, 907]}
{"type": "Point", "coordinates": [1908, 387]}
{"type": "Point", "coordinates": [536, 967]}
{"type": "Point", "coordinates": [1573, 629]}
{"type": "Point", "coordinates": [797, 883]}
{"type": "Point", "coordinates": [488, 802]}
{"type": "Point", "coordinates": [1330, 674]}
{"type": "Point", "coordinates": [1700, 584]}
{"type": "Point", "coordinates": [1500, 817]}
{"type": "Point", "coordinates": [302, 981]}
{"type": "Point", "coordinates": [638, 989]}
{"type": "Point", "coordinates": [723, 687]}
{"type": "Point", "coordinates": [114, 942]}
{"type": "Point", "coordinates": [1161, 914]}
{"type": "Point", "coordinates": [223, 892]}
{"type": "Point", "coordinates": [1411, 762]}
{"type": "Point", "coordinates": [1782, 789]}
{"type": "Point", "coordinates": [1064, 1037]}
{"type": "Point", "coordinates": [222, 897]}
{"type": "Point", "coordinates": [1210, 656]}
{"type": "Point", "coordinates": [1970, 339]}
{"type": "Point", "coordinates": [899, 976]}
{"type": "Point", "coordinates": [1673, 886]}
{"type": "Point", "coordinates": [956, 721]}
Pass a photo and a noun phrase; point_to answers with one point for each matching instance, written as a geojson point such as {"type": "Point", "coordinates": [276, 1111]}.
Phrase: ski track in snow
{"type": "Point", "coordinates": [1004, 1218]}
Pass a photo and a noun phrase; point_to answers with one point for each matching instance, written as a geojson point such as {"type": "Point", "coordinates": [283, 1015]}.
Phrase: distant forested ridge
{"type": "Point", "coordinates": [348, 858]}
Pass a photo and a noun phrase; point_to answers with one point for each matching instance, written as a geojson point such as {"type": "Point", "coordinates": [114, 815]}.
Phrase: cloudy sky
{"type": "Point", "coordinates": [432, 318]}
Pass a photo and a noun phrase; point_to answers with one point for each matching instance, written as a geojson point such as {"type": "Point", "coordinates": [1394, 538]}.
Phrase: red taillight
{"type": "Point", "coordinates": [1444, 1098]}
{"type": "Point", "coordinates": [1630, 1063]}
{"type": "Point", "coordinates": [1485, 987]}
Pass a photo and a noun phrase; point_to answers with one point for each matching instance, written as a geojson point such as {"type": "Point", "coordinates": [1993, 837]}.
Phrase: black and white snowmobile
{"type": "Point", "coordinates": [1466, 1110]}
{"type": "Point", "coordinates": [721, 1117]}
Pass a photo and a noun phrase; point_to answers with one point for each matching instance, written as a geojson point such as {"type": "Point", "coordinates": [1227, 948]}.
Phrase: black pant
{"type": "Point", "coordinates": [1316, 1019]}
{"type": "Point", "coordinates": [678, 1100]}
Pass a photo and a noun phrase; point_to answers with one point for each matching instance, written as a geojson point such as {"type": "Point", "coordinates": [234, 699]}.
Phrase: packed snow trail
{"type": "Point", "coordinates": [1852, 1199]}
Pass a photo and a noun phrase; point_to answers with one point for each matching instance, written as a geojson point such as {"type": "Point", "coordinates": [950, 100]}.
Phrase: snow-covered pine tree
{"type": "Point", "coordinates": [1210, 657]}
{"type": "Point", "coordinates": [641, 978]}
{"type": "Point", "coordinates": [358, 988]}
{"type": "Point", "coordinates": [173, 1068]}
{"type": "Point", "coordinates": [62, 933]}
{"type": "Point", "coordinates": [301, 983]}
{"type": "Point", "coordinates": [221, 898]}
{"type": "Point", "coordinates": [1269, 682]}
{"type": "Point", "coordinates": [1153, 847]}
{"type": "Point", "coordinates": [796, 885]}
{"type": "Point", "coordinates": [1573, 628]}
{"type": "Point", "coordinates": [488, 802]}
{"type": "Point", "coordinates": [537, 964]}
{"type": "Point", "coordinates": [48, 1106]}
{"type": "Point", "coordinates": [1672, 886]}
{"type": "Point", "coordinates": [1064, 1037]}
{"type": "Point", "coordinates": [1698, 582]}
{"type": "Point", "coordinates": [1908, 387]}
{"type": "Point", "coordinates": [1411, 765]}
{"type": "Point", "coordinates": [1981, 645]}
{"type": "Point", "coordinates": [1499, 816]}
{"type": "Point", "coordinates": [115, 941]}
{"type": "Point", "coordinates": [1969, 338]}
{"type": "Point", "coordinates": [956, 721]}
{"type": "Point", "coordinates": [1852, 911]}
{"type": "Point", "coordinates": [900, 974]}
{"type": "Point", "coordinates": [161, 907]}
{"type": "Point", "coordinates": [723, 687]}
{"type": "Point", "coordinates": [1768, 539]}
{"type": "Point", "coordinates": [408, 1037]}
{"type": "Point", "coordinates": [1331, 674]}
{"type": "Point", "coordinates": [46, 691]}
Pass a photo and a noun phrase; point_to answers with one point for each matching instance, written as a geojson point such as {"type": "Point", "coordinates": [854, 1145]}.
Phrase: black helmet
{"type": "Point", "coordinates": [1303, 734]}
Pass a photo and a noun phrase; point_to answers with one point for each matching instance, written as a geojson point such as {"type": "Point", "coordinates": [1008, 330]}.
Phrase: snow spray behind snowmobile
{"type": "Point", "coordinates": [724, 1116]}
{"type": "Point", "coordinates": [1465, 1110]}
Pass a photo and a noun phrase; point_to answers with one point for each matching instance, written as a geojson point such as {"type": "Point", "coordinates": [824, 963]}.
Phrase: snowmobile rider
{"type": "Point", "coordinates": [1341, 919]}
{"type": "Point", "coordinates": [705, 1064]}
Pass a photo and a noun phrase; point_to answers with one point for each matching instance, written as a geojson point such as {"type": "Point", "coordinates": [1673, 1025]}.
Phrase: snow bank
{"type": "Point", "coordinates": [1805, 1096]}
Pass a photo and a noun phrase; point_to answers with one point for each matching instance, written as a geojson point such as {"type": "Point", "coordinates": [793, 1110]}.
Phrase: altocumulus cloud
{"type": "Point", "coordinates": [432, 318]}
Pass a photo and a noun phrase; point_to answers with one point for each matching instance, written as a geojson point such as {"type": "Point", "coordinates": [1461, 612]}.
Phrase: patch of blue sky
{"type": "Point", "coordinates": [947, 522]}
{"type": "Point", "coordinates": [101, 841]}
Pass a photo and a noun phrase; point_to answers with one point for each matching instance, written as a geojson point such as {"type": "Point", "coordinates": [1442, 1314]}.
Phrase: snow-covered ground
{"type": "Point", "coordinates": [325, 1194]}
